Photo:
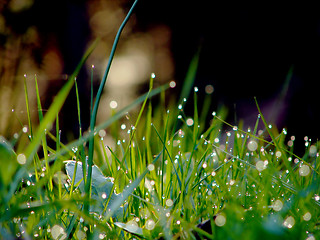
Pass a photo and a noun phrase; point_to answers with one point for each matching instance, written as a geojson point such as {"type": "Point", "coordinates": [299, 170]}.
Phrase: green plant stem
{"type": "Point", "coordinates": [98, 97]}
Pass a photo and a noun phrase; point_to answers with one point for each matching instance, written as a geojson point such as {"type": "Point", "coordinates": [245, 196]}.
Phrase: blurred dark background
{"type": "Point", "coordinates": [247, 50]}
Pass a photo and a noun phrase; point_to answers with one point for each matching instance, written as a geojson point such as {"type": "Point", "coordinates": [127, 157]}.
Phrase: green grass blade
{"type": "Point", "coordinates": [98, 97]}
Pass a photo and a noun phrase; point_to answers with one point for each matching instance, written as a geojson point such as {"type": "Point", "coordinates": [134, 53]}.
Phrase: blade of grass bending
{"type": "Point", "coordinates": [27, 105]}
{"type": "Point", "coordinates": [44, 140]}
{"type": "Point", "coordinates": [190, 77]}
{"type": "Point", "coordinates": [128, 191]}
{"type": "Point", "coordinates": [108, 122]}
{"type": "Point", "coordinates": [98, 97]}
{"type": "Point", "coordinates": [56, 106]}
{"type": "Point", "coordinates": [165, 148]}
{"type": "Point", "coordinates": [283, 152]}
{"type": "Point", "coordinates": [47, 121]}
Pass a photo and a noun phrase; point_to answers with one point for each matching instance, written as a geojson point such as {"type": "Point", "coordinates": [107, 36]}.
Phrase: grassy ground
{"type": "Point", "coordinates": [167, 174]}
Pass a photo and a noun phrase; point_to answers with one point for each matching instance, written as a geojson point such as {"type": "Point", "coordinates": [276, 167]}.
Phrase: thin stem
{"type": "Point", "coordinates": [98, 97]}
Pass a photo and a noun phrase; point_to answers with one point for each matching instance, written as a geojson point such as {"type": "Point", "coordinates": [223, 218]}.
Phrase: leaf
{"type": "Point", "coordinates": [101, 186]}
{"type": "Point", "coordinates": [131, 228]}
{"type": "Point", "coordinates": [8, 162]}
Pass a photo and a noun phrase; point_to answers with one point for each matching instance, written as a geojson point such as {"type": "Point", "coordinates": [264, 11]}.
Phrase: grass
{"type": "Point", "coordinates": [167, 174]}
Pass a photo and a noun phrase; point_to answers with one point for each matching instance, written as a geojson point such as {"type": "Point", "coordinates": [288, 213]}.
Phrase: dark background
{"type": "Point", "coordinates": [247, 51]}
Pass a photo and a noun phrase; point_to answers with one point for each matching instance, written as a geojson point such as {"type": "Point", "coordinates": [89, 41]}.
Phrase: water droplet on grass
{"type": "Point", "coordinates": [153, 75]}
{"type": "Point", "coordinates": [260, 166]}
{"type": "Point", "coordinates": [102, 133]}
{"type": "Point", "coordinates": [151, 167]}
{"type": "Point", "coordinates": [25, 129]}
{"type": "Point", "coordinates": [307, 216]}
{"type": "Point", "coordinates": [304, 170]}
{"type": "Point", "coordinates": [123, 126]}
{"type": "Point", "coordinates": [113, 104]}
{"type": "Point", "coordinates": [172, 84]}
{"type": "Point", "coordinates": [312, 151]}
{"type": "Point", "coordinates": [189, 122]}
{"type": "Point", "coordinates": [220, 220]}
{"type": "Point", "coordinates": [252, 145]}
{"type": "Point", "coordinates": [209, 89]}
{"type": "Point", "coordinates": [132, 226]}
{"type": "Point", "coordinates": [289, 222]}
{"type": "Point", "coordinates": [277, 205]}
{"type": "Point", "coordinates": [278, 154]}
{"type": "Point", "coordinates": [169, 202]}
{"type": "Point", "coordinates": [150, 224]}
{"type": "Point", "coordinates": [196, 89]}
{"type": "Point", "coordinates": [21, 158]}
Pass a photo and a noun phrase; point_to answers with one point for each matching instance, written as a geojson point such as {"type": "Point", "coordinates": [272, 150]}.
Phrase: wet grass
{"type": "Point", "coordinates": [168, 176]}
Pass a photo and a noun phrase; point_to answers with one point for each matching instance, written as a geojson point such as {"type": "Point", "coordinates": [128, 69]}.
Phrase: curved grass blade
{"type": "Point", "coordinates": [98, 97]}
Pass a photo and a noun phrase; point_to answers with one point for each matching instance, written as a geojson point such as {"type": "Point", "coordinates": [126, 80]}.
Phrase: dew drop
{"type": "Point", "coordinates": [151, 167]}
{"type": "Point", "coordinates": [189, 122]}
{"type": "Point", "coordinates": [180, 106]}
{"type": "Point", "coordinates": [25, 129]}
{"type": "Point", "coordinates": [277, 205]}
{"type": "Point", "coordinates": [196, 89]}
{"type": "Point", "coordinates": [102, 133]}
{"type": "Point", "coordinates": [278, 154]}
{"type": "Point", "coordinates": [220, 220]}
{"type": "Point", "coordinates": [153, 75]}
{"type": "Point", "coordinates": [132, 226]}
{"type": "Point", "coordinates": [123, 126]}
{"type": "Point", "coordinates": [312, 151]}
{"type": "Point", "coordinates": [209, 89]}
{"type": "Point", "coordinates": [172, 84]}
{"type": "Point", "coordinates": [289, 222]}
{"type": "Point", "coordinates": [113, 104]}
{"type": "Point", "coordinates": [304, 170]}
{"type": "Point", "coordinates": [252, 145]}
{"type": "Point", "coordinates": [260, 166]}
{"type": "Point", "coordinates": [307, 216]}
{"type": "Point", "coordinates": [21, 158]}
{"type": "Point", "coordinates": [169, 202]}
